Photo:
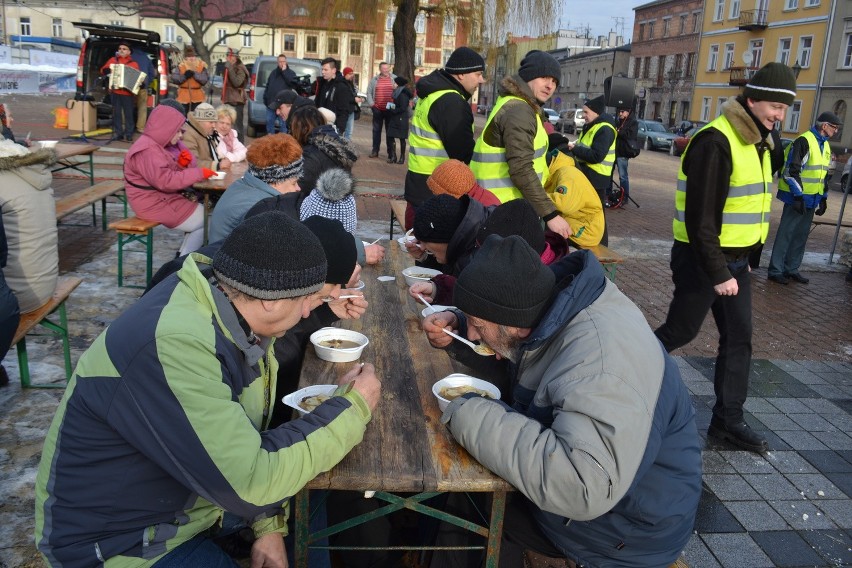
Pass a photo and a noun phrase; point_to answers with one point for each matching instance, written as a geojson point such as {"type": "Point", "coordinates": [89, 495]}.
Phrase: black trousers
{"type": "Point", "coordinates": [10, 315]}
{"type": "Point", "coordinates": [380, 118]}
{"type": "Point", "coordinates": [693, 298]}
{"type": "Point", "coordinates": [123, 123]}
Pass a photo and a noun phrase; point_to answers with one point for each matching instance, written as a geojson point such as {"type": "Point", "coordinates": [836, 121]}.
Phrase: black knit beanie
{"type": "Point", "coordinates": [537, 64]}
{"type": "Point", "coordinates": [400, 80]}
{"type": "Point", "coordinates": [173, 104]}
{"type": "Point", "coordinates": [506, 283]}
{"type": "Point", "coordinates": [271, 256]}
{"type": "Point", "coordinates": [774, 82]}
{"type": "Point", "coordinates": [437, 220]}
{"type": "Point", "coordinates": [340, 251]}
{"type": "Point", "coordinates": [516, 217]}
{"type": "Point", "coordinates": [596, 105]}
{"type": "Point", "coordinates": [464, 60]}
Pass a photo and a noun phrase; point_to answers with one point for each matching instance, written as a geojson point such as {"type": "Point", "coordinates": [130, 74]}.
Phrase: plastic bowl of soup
{"type": "Point", "coordinates": [307, 399]}
{"type": "Point", "coordinates": [459, 384]}
{"type": "Point", "coordinates": [338, 345]}
{"type": "Point", "coordinates": [415, 274]}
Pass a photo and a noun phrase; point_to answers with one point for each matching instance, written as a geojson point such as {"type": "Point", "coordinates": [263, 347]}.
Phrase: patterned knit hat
{"type": "Point", "coordinates": [774, 82]}
{"type": "Point", "coordinates": [293, 266]}
{"type": "Point", "coordinates": [537, 64]}
{"type": "Point", "coordinates": [437, 220]}
{"type": "Point", "coordinates": [339, 245]}
{"type": "Point", "coordinates": [516, 217]}
{"type": "Point", "coordinates": [333, 198]}
{"type": "Point", "coordinates": [452, 177]}
{"type": "Point", "coordinates": [275, 158]}
{"type": "Point", "coordinates": [205, 112]}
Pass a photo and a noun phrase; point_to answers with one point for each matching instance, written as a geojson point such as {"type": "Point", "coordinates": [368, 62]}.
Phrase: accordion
{"type": "Point", "coordinates": [126, 77]}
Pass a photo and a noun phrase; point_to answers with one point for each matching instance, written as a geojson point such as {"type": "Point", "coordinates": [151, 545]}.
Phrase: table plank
{"type": "Point", "coordinates": [65, 150]}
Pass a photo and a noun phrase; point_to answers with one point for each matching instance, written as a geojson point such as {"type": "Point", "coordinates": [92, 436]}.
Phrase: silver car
{"type": "Point", "coordinates": [307, 71]}
{"type": "Point", "coordinates": [654, 136]}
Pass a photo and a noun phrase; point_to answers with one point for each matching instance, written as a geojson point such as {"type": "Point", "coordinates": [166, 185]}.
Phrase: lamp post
{"type": "Point", "coordinates": [797, 68]}
{"type": "Point", "coordinates": [673, 78]}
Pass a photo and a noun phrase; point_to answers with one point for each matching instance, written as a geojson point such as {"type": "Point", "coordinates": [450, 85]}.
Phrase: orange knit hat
{"type": "Point", "coordinates": [452, 177]}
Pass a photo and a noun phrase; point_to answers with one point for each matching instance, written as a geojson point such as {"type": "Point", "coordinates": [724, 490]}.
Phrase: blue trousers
{"type": "Point", "coordinates": [623, 180]}
{"type": "Point", "coordinates": [273, 120]}
{"type": "Point", "coordinates": [790, 240]}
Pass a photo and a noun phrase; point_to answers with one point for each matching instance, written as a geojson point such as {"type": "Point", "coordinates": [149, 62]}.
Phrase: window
{"type": "Point", "coordinates": [756, 48]}
{"type": "Point", "coordinates": [641, 31]}
{"type": "Point", "coordinates": [345, 15]}
{"type": "Point", "coordinates": [390, 57]}
{"type": "Point", "coordinates": [811, 3]}
{"type": "Point", "coordinates": [300, 11]}
{"type": "Point", "coordinates": [332, 45]}
{"type": "Point", "coordinates": [806, 44]}
{"type": "Point", "coordinates": [247, 38]}
{"type": "Point", "coordinates": [26, 26]}
{"type": "Point", "coordinates": [418, 56]}
{"type": "Point", "coordinates": [696, 22]}
{"type": "Point", "coordinates": [672, 112]}
{"type": "Point", "coordinates": [646, 71]}
{"type": "Point", "coordinates": [719, 11]}
{"type": "Point", "coordinates": [846, 51]}
{"type": "Point", "coordinates": [220, 34]}
{"type": "Point", "coordinates": [420, 23]}
{"type": "Point", "coordinates": [449, 25]}
{"type": "Point", "coordinates": [719, 108]}
{"type": "Point", "coordinates": [355, 46]}
{"type": "Point", "coordinates": [666, 23]}
{"type": "Point", "coordinates": [682, 24]}
{"type": "Point", "coordinates": [595, 80]}
{"type": "Point", "coordinates": [735, 10]}
{"type": "Point", "coordinates": [445, 55]}
{"type": "Point", "coordinates": [578, 78]}
{"type": "Point", "coordinates": [311, 43]}
{"type": "Point", "coordinates": [678, 64]}
{"type": "Point", "coordinates": [713, 58]}
{"type": "Point", "coordinates": [289, 42]}
{"type": "Point", "coordinates": [637, 64]}
{"type": "Point", "coordinates": [651, 30]}
{"type": "Point", "coordinates": [705, 109]}
{"type": "Point", "coordinates": [791, 4]}
{"type": "Point", "coordinates": [661, 69]}
{"type": "Point", "coordinates": [389, 19]}
{"type": "Point", "coordinates": [729, 56]}
{"type": "Point", "coordinates": [784, 46]}
{"type": "Point", "coordinates": [684, 110]}
{"type": "Point", "coordinates": [57, 27]}
{"type": "Point", "coordinates": [169, 33]}
{"type": "Point", "coordinates": [794, 113]}
{"type": "Point", "coordinates": [690, 65]}
{"type": "Point", "coordinates": [116, 22]}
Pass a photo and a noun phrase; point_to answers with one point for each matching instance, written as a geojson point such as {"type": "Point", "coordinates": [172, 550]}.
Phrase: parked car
{"type": "Point", "coordinates": [101, 44]}
{"type": "Point", "coordinates": [552, 116]}
{"type": "Point", "coordinates": [306, 70]}
{"type": "Point", "coordinates": [653, 136]}
{"type": "Point", "coordinates": [680, 142]}
{"type": "Point", "coordinates": [571, 121]}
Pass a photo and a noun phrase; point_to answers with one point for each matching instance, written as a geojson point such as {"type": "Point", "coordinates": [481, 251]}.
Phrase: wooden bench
{"type": "Point", "coordinates": [134, 229]}
{"type": "Point", "coordinates": [64, 287]}
{"type": "Point", "coordinates": [608, 258]}
{"type": "Point", "coordinates": [819, 223]}
{"type": "Point", "coordinates": [397, 214]}
{"type": "Point", "coordinates": [89, 196]}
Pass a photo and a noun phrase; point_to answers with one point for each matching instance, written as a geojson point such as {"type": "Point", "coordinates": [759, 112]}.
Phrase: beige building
{"type": "Point", "coordinates": [54, 18]}
{"type": "Point", "coordinates": [835, 91]}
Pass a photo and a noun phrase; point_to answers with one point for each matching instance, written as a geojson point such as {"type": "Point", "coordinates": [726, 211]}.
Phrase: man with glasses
{"type": "Point", "coordinates": [803, 187]}
{"type": "Point", "coordinates": [123, 100]}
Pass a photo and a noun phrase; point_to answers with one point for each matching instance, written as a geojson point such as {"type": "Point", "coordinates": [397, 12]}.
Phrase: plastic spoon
{"type": "Point", "coordinates": [478, 349]}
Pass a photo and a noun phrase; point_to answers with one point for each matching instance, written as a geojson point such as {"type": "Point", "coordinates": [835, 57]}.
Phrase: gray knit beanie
{"type": "Point", "coordinates": [774, 82]}
{"type": "Point", "coordinates": [333, 198]}
{"type": "Point", "coordinates": [464, 60]}
{"type": "Point", "coordinates": [537, 64]}
{"type": "Point", "coordinates": [271, 256]}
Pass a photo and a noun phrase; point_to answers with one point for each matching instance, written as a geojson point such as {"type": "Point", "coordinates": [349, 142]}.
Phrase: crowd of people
{"type": "Point", "coordinates": [174, 407]}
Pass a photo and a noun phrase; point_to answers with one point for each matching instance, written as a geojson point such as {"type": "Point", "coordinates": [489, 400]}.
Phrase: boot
{"type": "Point", "coordinates": [391, 152]}
{"type": "Point", "coordinates": [401, 159]}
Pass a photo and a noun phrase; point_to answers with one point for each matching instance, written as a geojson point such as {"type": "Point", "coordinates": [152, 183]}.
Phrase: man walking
{"type": "Point", "coordinates": [442, 126]}
{"type": "Point", "coordinates": [626, 146]}
{"type": "Point", "coordinates": [722, 209]}
{"type": "Point", "coordinates": [281, 78]}
{"type": "Point", "coordinates": [803, 187]}
{"type": "Point", "coordinates": [379, 96]}
{"type": "Point", "coordinates": [234, 88]}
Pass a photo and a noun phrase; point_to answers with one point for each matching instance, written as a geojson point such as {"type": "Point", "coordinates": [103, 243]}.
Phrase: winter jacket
{"type": "Point", "coordinates": [29, 219]}
{"type": "Point", "coordinates": [398, 121]}
{"type": "Point", "coordinates": [626, 142]}
{"type": "Point", "coordinates": [230, 147]}
{"type": "Point", "coordinates": [124, 60]}
{"type": "Point", "coordinates": [233, 205]}
{"type": "Point", "coordinates": [278, 81]}
{"type": "Point", "coordinates": [162, 429]}
{"type": "Point", "coordinates": [577, 201]}
{"type": "Point", "coordinates": [452, 119]}
{"type": "Point", "coordinates": [153, 179]}
{"type": "Point", "coordinates": [200, 145]}
{"type": "Point", "coordinates": [601, 435]}
{"type": "Point", "coordinates": [514, 127]}
{"type": "Point", "coordinates": [326, 149]}
{"type": "Point", "coordinates": [190, 90]}
{"type": "Point", "coordinates": [234, 83]}
{"type": "Point", "coordinates": [371, 89]}
{"type": "Point", "coordinates": [336, 96]}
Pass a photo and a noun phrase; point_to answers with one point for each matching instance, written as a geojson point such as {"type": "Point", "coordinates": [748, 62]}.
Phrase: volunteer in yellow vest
{"type": "Point", "coordinates": [722, 214]}
{"type": "Point", "coordinates": [509, 156]}
{"type": "Point", "coordinates": [803, 189]}
{"type": "Point", "coordinates": [594, 150]}
{"type": "Point", "coordinates": [442, 125]}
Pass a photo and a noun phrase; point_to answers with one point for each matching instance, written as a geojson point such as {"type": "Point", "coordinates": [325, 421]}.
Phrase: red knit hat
{"type": "Point", "coordinates": [347, 71]}
{"type": "Point", "coordinates": [452, 177]}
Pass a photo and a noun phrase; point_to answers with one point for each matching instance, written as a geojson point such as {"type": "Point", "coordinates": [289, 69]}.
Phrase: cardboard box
{"type": "Point", "coordinates": [82, 116]}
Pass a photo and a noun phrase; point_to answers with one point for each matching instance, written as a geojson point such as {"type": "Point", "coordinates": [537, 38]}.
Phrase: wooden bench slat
{"type": "Point", "coordinates": [133, 225]}
{"type": "Point", "coordinates": [64, 287]}
{"type": "Point", "coordinates": [605, 255]}
{"type": "Point", "coordinates": [80, 199]}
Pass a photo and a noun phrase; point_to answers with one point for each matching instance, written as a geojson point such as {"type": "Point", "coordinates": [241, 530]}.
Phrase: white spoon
{"type": "Point", "coordinates": [478, 349]}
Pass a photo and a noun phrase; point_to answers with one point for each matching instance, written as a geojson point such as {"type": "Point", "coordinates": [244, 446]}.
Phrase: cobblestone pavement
{"type": "Point", "coordinates": [791, 507]}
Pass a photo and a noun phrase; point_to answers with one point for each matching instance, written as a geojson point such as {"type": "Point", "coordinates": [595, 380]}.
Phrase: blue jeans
{"type": "Point", "coordinates": [623, 180]}
{"type": "Point", "coordinates": [272, 119]}
{"type": "Point", "coordinates": [350, 124]}
{"type": "Point", "coordinates": [790, 240]}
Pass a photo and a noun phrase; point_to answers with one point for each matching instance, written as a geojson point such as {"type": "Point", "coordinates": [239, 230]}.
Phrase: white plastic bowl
{"type": "Point", "coordinates": [359, 286]}
{"type": "Point", "coordinates": [46, 143]}
{"type": "Point", "coordinates": [412, 280]}
{"type": "Point", "coordinates": [219, 175]}
{"type": "Point", "coordinates": [427, 311]}
{"type": "Point", "coordinates": [403, 239]}
{"type": "Point", "coordinates": [457, 380]}
{"type": "Point", "coordinates": [294, 398]}
{"type": "Point", "coordinates": [336, 355]}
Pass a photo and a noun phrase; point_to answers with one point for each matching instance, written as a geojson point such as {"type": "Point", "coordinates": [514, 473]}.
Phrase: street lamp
{"type": "Point", "coordinates": [797, 68]}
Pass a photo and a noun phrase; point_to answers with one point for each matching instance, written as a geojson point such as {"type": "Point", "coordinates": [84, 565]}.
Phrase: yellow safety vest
{"type": "Point", "coordinates": [427, 150]}
{"type": "Point", "coordinates": [489, 162]}
{"type": "Point", "coordinates": [745, 216]}
{"type": "Point", "coordinates": [814, 171]}
{"type": "Point", "coordinates": [587, 139]}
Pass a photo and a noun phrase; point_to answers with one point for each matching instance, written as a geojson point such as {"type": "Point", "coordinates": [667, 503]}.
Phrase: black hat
{"type": "Point", "coordinates": [774, 82]}
{"type": "Point", "coordinates": [248, 260]}
{"type": "Point", "coordinates": [830, 118]}
{"type": "Point", "coordinates": [340, 251]}
{"type": "Point", "coordinates": [400, 80]}
{"type": "Point", "coordinates": [597, 105]}
{"type": "Point", "coordinates": [556, 141]}
{"type": "Point", "coordinates": [516, 217]}
{"type": "Point", "coordinates": [173, 104]}
{"type": "Point", "coordinates": [438, 218]}
{"type": "Point", "coordinates": [537, 64]}
{"type": "Point", "coordinates": [506, 283]}
{"type": "Point", "coordinates": [287, 96]}
{"type": "Point", "coordinates": [464, 60]}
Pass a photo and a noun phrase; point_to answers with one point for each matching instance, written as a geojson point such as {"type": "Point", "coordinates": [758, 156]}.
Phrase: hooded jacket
{"type": "Point", "coordinates": [605, 446]}
{"type": "Point", "coordinates": [153, 179]}
{"type": "Point", "coordinates": [29, 222]}
{"type": "Point", "coordinates": [577, 201]}
{"type": "Point", "coordinates": [325, 150]}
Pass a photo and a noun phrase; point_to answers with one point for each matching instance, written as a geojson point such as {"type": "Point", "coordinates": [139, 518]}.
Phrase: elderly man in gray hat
{"type": "Point", "coordinates": [803, 187]}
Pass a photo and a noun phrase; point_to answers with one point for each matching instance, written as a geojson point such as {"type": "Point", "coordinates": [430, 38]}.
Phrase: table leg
{"type": "Point", "coordinates": [495, 529]}
{"type": "Point", "coordinates": [302, 523]}
{"type": "Point", "coordinates": [92, 168]}
{"type": "Point", "coordinates": [206, 210]}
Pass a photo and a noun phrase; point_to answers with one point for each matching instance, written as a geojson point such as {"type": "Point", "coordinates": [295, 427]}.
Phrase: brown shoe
{"type": "Point", "coordinates": [374, 154]}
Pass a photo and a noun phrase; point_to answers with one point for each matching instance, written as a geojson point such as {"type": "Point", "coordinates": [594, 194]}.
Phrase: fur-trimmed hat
{"type": "Point", "coordinates": [537, 63]}
{"type": "Point", "coordinates": [334, 198]}
{"type": "Point", "coordinates": [774, 82]}
{"type": "Point", "coordinates": [464, 60]}
{"type": "Point", "coordinates": [205, 113]}
{"type": "Point", "coordinates": [327, 114]}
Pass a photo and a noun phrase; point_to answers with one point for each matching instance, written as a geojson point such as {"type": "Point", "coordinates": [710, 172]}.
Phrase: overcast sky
{"type": "Point", "coordinates": [580, 14]}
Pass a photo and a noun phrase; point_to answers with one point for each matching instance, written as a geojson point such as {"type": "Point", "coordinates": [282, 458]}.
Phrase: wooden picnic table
{"type": "Point", "coordinates": [64, 151]}
{"type": "Point", "coordinates": [405, 447]}
{"type": "Point", "coordinates": [211, 186]}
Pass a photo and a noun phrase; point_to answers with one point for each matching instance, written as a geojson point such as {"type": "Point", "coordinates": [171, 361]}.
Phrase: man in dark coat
{"type": "Point", "coordinates": [626, 146]}
{"type": "Point", "coordinates": [335, 94]}
{"type": "Point", "coordinates": [281, 78]}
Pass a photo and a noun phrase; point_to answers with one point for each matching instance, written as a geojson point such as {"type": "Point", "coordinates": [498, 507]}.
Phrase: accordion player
{"type": "Point", "coordinates": [126, 77]}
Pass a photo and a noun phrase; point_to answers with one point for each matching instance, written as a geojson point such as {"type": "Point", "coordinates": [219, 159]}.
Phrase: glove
{"type": "Point", "coordinates": [823, 205]}
{"type": "Point", "coordinates": [185, 158]}
{"type": "Point", "coordinates": [189, 73]}
{"type": "Point", "coordinates": [799, 205]}
{"type": "Point", "coordinates": [208, 173]}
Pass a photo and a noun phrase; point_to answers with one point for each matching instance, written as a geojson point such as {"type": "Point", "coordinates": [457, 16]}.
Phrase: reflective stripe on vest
{"type": "Point", "coordinates": [489, 163]}
{"type": "Point", "coordinates": [426, 149]}
{"type": "Point", "coordinates": [745, 216]}
{"type": "Point", "coordinates": [605, 166]}
{"type": "Point", "coordinates": [814, 171]}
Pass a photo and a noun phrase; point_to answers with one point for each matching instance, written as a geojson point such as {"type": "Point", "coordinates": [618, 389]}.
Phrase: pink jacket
{"type": "Point", "coordinates": [150, 165]}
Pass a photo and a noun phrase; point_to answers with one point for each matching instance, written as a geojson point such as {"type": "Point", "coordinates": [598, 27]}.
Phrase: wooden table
{"type": "Point", "coordinates": [210, 186]}
{"type": "Point", "coordinates": [405, 447]}
{"type": "Point", "coordinates": [65, 151]}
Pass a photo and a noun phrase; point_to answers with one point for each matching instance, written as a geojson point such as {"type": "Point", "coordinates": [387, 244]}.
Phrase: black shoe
{"type": "Point", "coordinates": [374, 154]}
{"type": "Point", "coordinates": [401, 160]}
{"type": "Point", "coordinates": [798, 278]}
{"type": "Point", "coordinates": [129, 138]}
{"type": "Point", "coordinates": [391, 159]}
{"type": "Point", "coordinates": [4, 377]}
{"type": "Point", "coordinates": [741, 435]}
{"type": "Point", "coordinates": [114, 139]}
{"type": "Point", "coordinates": [778, 278]}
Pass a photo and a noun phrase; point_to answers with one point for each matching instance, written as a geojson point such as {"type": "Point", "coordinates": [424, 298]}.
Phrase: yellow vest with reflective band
{"type": "Point", "coordinates": [426, 149]}
{"type": "Point", "coordinates": [814, 171]}
{"type": "Point", "coordinates": [489, 162]}
{"type": "Point", "coordinates": [745, 216]}
{"type": "Point", "coordinates": [605, 166]}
